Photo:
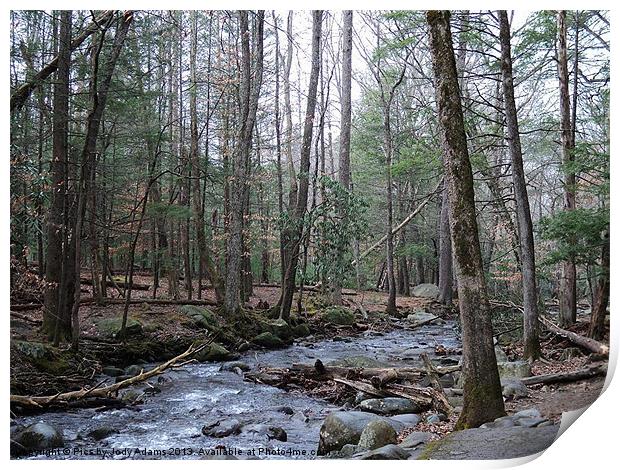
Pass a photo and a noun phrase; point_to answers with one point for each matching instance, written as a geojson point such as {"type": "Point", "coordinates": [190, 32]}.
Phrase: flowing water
{"type": "Point", "coordinates": [168, 424]}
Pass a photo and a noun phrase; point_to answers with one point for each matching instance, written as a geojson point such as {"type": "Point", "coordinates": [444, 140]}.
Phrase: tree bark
{"type": "Point", "coordinates": [344, 154]}
{"type": "Point", "coordinates": [568, 282]}
{"type": "Point", "coordinates": [445, 252]}
{"type": "Point", "coordinates": [483, 400]}
{"type": "Point", "coordinates": [250, 86]}
{"type": "Point", "coordinates": [599, 309]}
{"type": "Point", "coordinates": [531, 345]}
{"type": "Point", "coordinates": [299, 211]}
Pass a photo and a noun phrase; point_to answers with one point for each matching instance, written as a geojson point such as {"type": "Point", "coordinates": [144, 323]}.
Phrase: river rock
{"type": "Point", "coordinates": [513, 388]}
{"type": "Point", "coordinates": [415, 438]}
{"type": "Point", "coordinates": [102, 432]}
{"type": "Point", "coordinates": [390, 406]}
{"type": "Point", "coordinates": [499, 423]}
{"type": "Point", "coordinates": [420, 316]}
{"type": "Point", "coordinates": [112, 371]}
{"type": "Point", "coordinates": [301, 331]}
{"type": "Point", "coordinates": [377, 433]}
{"type": "Point", "coordinates": [112, 326]}
{"type": "Point", "coordinates": [516, 369]}
{"type": "Point", "coordinates": [388, 452]}
{"type": "Point", "coordinates": [268, 340]}
{"type": "Point", "coordinates": [37, 436]}
{"type": "Point", "coordinates": [429, 291]}
{"type": "Point", "coordinates": [231, 366]}
{"type": "Point", "coordinates": [436, 418]}
{"type": "Point", "coordinates": [529, 413]}
{"type": "Point", "coordinates": [132, 370]}
{"type": "Point", "coordinates": [346, 427]}
{"type": "Point", "coordinates": [221, 428]}
{"type": "Point", "coordinates": [338, 316]}
{"type": "Point", "coordinates": [408, 420]}
{"type": "Point", "coordinates": [202, 317]}
{"type": "Point", "coordinates": [277, 433]}
{"type": "Point", "coordinates": [214, 353]}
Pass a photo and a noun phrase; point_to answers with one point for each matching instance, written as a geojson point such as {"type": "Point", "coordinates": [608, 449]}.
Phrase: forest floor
{"type": "Point", "coordinates": [167, 332]}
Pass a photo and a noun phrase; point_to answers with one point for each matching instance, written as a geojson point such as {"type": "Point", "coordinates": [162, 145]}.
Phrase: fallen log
{"type": "Point", "coordinates": [108, 391]}
{"type": "Point", "coordinates": [421, 323]}
{"type": "Point", "coordinates": [587, 343]}
{"type": "Point", "coordinates": [425, 397]}
{"type": "Point", "coordinates": [120, 284]}
{"type": "Point", "coordinates": [596, 371]}
{"type": "Point", "coordinates": [369, 372]}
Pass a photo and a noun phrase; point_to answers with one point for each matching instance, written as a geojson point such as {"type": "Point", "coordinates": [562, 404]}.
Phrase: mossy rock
{"type": "Point", "coordinates": [278, 327]}
{"type": "Point", "coordinates": [214, 353]}
{"type": "Point", "coordinates": [202, 317]}
{"type": "Point", "coordinates": [301, 331]}
{"type": "Point", "coordinates": [268, 340]}
{"type": "Point", "coordinates": [44, 357]}
{"type": "Point", "coordinates": [338, 316]}
{"type": "Point", "coordinates": [32, 349]}
{"type": "Point", "coordinates": [112, 326]}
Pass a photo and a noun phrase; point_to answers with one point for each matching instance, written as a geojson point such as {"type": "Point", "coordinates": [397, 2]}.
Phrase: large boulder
{"type": "Point", "coordinates": [278, 327]}
{"type": "Point", "coordinates": [346, 427]}
{"type": "Point", "coordinates": [268, 340]}
{"type": "Point", "coordinates": [428, 291]}
{"type": "Point", "coordinates": [214, 353]}
{"type": "Point", "coordinates": [420, 316]}
{"type": "Point", "coordinates": [390, 406]}
{"type": "Point", "coordinates": [388, 452]}
{"type": "Point", "coordinates": [377, 433]}
{"type": "Point", "coordinates": [338, 316]}
{"type": "Point", "coordinates": [37, 436]}
{"type": "Point", "coordinates": [513, 388]}
{"type": "Point", "coordinates": [416, 438]}
{"type": "Point", "coordinates": [516, 369]}
{"type": "Point", "coordinates": [221, 427]}
{"type": "Point", "coordinates": [202, 317]}
{"type": "Point", "coordinates": [112, 326]}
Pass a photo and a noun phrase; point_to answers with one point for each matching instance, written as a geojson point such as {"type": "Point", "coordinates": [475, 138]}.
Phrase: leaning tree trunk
{"type": "Point", "coordinates": [568, 282]}
{"type": "Point", "coordinates": [482, 392]}
{"type": "Point", "coordinates": [531, 345]}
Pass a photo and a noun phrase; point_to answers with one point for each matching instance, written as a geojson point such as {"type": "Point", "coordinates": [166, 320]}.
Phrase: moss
{"type": "Point", "coordinates": [430, 448]}
{"type": "Point", "coordinates": [112, 326]}
{"type": "Point", "coordinates": [338, 316]}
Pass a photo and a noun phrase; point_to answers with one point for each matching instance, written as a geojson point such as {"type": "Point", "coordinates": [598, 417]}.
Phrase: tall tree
{"type": "Point", "coordinates": [344, 153]}
{"type": "Point", "coordinates": [299, 210]}
{"type": "Point", "coordinates": [250, 85]}
{"type": "Point", "coordinates": [568, 282]}
{"type": "Point", "coordinates": [531, 345]}
{"type": "Point", "coordinates": [482, 392]}
{"type": "Point", "coordinates": [55, 318]}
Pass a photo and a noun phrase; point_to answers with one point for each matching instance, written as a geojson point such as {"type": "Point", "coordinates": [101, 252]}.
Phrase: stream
{"type": "Point", "coordinates": [168, 424]}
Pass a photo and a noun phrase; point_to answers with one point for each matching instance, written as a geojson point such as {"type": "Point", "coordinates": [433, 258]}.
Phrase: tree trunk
{"type": "Point", "coordinates": [53, 318]}
{"type": "Point", "coordinates": [445, 252]}
{"type": "Point", "coordinates": [599, 309]}
{"type": "Point", "coordinates": [568, 282]}
{"type": "Point", "coordinates": [299, 211]}
{"type": "Point", "coordinates": [250, 86]}
{"type": "Point", "coordinates": [344, 154]}
{"type": "Point", "coordinates": [531, 345]}
{"type": "Point", "coordinates": [483, 400]}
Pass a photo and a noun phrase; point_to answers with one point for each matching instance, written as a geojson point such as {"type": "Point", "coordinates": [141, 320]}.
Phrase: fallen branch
{"type": "Point", "coordinates": [574, 376]}
{"type": "Point", "coordinates": [118, 284]}
{"type": "Point", "coordinates": [400, 226]}
{"type": "Point", "coordinates": [587, 343]}
{"type": "Point", "coordinates": [421, 323]}
{"type": "Point", "coordinates": [103, 392]}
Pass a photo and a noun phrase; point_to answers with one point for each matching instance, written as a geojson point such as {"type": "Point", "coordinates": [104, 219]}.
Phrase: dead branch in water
{"type": "Point", "coordinates": [108, 391]}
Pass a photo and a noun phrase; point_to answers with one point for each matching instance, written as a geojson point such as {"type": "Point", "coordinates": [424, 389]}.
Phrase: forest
{"type": "Point", "coordinates": [306, 234]}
